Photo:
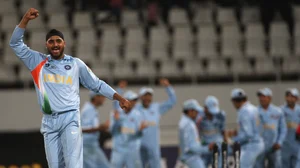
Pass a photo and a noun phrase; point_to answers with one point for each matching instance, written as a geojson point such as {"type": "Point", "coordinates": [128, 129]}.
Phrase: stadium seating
{"type": "Point", "coordinates": [291, 66]}
{"type": "Point", "coordinates": [170, 69]}
{"type": "Point", "coordinates": [6, 74]}
{"type": "Point", "coordinates": [231, 41]}
{"type": "Point", "coordinates": [193, 68]}
{"type": "Point", "coordinates": [58, 21]}
{"type": "Point", "coordinates": [279, 40]}
{"type": "Point", "coordinates": [82, 20]}
{"type": "Point", "coordinates": [178, 17]}
{"type": "Point", "coordinates": [209, 39]}
{"type": "Point", "coordinates": [54, 6]}
{"type": "Point", "coordinates": [203, 16]}
{"type": "Point", "coordinates": [123, 71]}
{"type": "Point", "coordinates": [134, 44]}
{"type": "Point", "coordinates": [250, 15]}
{"type": "Point", "coordinates": [7, 7]}
{"type": "Point", "coordinates": [226, 16]}
{"type": "Point", "coordinates": [183, 43]}
{"type": "Point", "coordinates": [255, 40]}
{"type": "Point", "coordinates": [159, 40]}
{"type": "Point", "coordinates": [130, 18]}
{"type": "Point", "coordinates": [241, 67]}
{"type": "Point", "coordinates": [102, 71]}
{"type": "Point", "coordinates": [265, 67]}
{"type": "Point", "coordinates": [9, 22]}
{"type": "Point", "coordinates": [146, 69]}
{"type": "Point", "coordinates": [110, 45]}
{"type": "Point", "coordinates": [29, 4]}
{"type": "Point", "coordinates": [217, 67]}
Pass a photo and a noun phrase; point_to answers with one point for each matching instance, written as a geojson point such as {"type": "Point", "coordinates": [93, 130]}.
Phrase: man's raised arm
{"type": "Point", "coordinates": [30, 57]}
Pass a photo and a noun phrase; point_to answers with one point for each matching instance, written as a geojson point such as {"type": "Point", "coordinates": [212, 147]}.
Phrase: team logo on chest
{"type": "Point", "coordinates": [68, 67]}
{"type": "Point", "coordinates": [275, 117]}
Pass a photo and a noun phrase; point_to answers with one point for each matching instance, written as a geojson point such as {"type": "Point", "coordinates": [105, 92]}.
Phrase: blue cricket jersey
{"type": "Point", "coordinates": [211, 130]}
{"type": "Point", "coordinates": [152, 115]}
{"type": "Point", "coordinates": [57, 81]}
{"type": "Point", "coordinates": [125, 131]}
{"type": "Point", "coordinates": [292, 117]}
{"type": "Point", "coordinates": [274, 125]}
{"type": "Point", "coordinates": [249, 125]}
{"type": "Point", "coordinates": [90, 119]}
{"type": "Point", "coordinates": [189, 141]}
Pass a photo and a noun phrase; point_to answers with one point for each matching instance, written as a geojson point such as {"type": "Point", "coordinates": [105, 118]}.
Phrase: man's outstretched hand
{"type": "Point", "coordinates": [125, 104]}
{"type": "Point", "coordinates": [29, 15]}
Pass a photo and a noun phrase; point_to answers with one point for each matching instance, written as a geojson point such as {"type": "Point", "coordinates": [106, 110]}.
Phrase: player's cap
{"type": "Point", "coordinates": [293, 92]}
{"type": "Point", "coordinates": [93, 94]}
{"type": "Point", "coordinates": [238, 93]}
{"type": "Point", "coordinates": [265, 92]}
{"type": "Point", "coordinates": [191, 104]}
{"type": "Point", "coordinates": [145, 90]}
{"type": "Point", "coordinates": [212, 104]}
{"type": "Point", "coordinates": [130, 95]}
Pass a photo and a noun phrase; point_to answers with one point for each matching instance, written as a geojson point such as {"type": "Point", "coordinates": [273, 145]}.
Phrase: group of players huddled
{"type": "Point", "coordinates": [135, 132]}
{"type": "Point", "coordinates": [266, 132]}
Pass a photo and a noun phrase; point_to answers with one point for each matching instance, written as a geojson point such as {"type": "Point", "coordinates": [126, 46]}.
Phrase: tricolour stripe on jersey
{"type": "Point", "coordinates": [37, 78]}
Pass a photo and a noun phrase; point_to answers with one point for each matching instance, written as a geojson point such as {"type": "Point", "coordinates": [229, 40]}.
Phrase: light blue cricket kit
{"type": "Point", "coordinates": [211, 132]}
{"type": "Point", "coordinates": [126, 138]}
{"type": "Point", "coordinates": [249, 135]}
{"type": "Point", "coordinates": [93, 156]}
{"type": "Point", "coordinates": [274, 132]}
{"type": "Point", "coordinates": [150, 148]}
{"type": "Point", "coordinates": [57, 86]}
{"type": "Point", "coordinates": [190, 146]}
{"type": "Point", "coordinates": [291, 147]}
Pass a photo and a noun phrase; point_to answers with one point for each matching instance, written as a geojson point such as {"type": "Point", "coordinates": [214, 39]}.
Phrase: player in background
{"type": "Point", "coordinates": [211, 123]}
{"type": "Point", "coordinates": [57, 78]}
{"type": "Point", "coordinates": [274, 130]}
{"type": "Point", "coordinates": [126, 128]}
{"type": "Point", "coordinates": [291, 147]}
{"type": "Point", "coordinates": [248, 134]}
{"type": "Point", "coordinates": [152, 112]}
{"type": "Point", "coordinates": [190, 144]}
{"type": "Point", "coordinates": [93, 156]}
{"type": "Point", "coordinates": [120, 89]}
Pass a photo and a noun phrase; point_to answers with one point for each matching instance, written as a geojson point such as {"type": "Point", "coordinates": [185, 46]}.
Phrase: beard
{"type": "Point", "coordinates": [56, 52]}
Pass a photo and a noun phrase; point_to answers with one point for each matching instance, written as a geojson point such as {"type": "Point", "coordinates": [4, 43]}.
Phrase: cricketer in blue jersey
{"type": "Point", "coordinates": [126, 128]}
{"type": "Point", "coordinates": [93, 156]}
{"type": "Point", "coordinates": [211, 124]}
{"type": "Point", "coordinates": [190, 145]}
{"type": "Point", "coordinates": [291, 147]}
{"type": "Point", "coordinates": [151, 113]}
{"type": "Point", "coordinates": [57, 77]}
{"type": "Point", "coordinates": [273, 132]}
{"type": "Point", "coordinates": [120, 89]}
{"type": "Point", "coordinates": [248, 135]}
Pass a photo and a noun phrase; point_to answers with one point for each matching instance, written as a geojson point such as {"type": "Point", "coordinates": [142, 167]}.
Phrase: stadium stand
{"type": "Point", "coordinates": [217, 43]}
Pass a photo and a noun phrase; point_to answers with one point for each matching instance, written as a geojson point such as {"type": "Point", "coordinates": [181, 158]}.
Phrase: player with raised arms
{"type": "Point", "coordinates": [57, 78]}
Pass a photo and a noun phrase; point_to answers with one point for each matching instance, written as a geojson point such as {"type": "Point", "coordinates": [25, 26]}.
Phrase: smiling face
{"type": "Point", "coordinates": [55, 46]}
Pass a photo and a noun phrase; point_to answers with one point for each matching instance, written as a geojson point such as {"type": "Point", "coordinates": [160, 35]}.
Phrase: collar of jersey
{"type": "Point", "coordinates": [66, 57]}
